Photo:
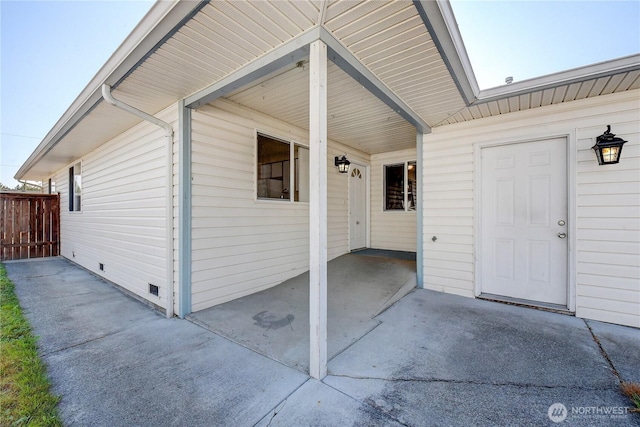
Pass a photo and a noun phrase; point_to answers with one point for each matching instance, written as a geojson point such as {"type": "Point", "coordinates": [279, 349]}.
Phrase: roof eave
{"type": "Point", "coordinates": [441, 23]}
{"type": "Point", "coordinates": [549, 81]}
{"type": "Point", "coordinates": [160, 20]}
{"type": "Point", "coordinates": [439, 19]}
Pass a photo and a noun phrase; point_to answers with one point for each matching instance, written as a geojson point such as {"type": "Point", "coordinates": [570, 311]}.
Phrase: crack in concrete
{"type": "Point", "coordinates": [81, 343]}
{"type": "Point", "coordinates": [603, 352]}
{"type": "Point", "coordinates": [452, 381]}
{"type": "Point", "coordinates": [280, 406]}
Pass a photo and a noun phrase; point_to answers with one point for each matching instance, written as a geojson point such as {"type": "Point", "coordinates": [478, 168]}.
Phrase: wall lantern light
{"type": "Point", "coordinates": [608, 148]}
{"type": "Point", "coordinates": [342, 163]}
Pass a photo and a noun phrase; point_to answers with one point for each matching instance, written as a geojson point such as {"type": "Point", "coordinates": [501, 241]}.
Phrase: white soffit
{"type": "Point", "coordinates": [609, 77]}
{"type": "Point", "coordinates": [390, 39]}
{"type": "Point", "coordinates": [220, 39]}
{"type": "Point", "coordinates": [355, 116]}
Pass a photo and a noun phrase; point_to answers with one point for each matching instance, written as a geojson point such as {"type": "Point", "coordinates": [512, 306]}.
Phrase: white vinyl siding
{"type": "Point", "coordinates": [122, 224]}
{"type": "Point", "coordinates": [607, 206]}
{"type": "Point", "coordinates": [391, 229]}
{"type": "Point", "coordinates": [242, 245]}
{"type": "Point", "coordinates": [608, 222]}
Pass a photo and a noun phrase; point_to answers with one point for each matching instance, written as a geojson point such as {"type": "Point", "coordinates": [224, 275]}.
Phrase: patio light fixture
{"type": "Point", "coordinates": [608, 148]}
{"type": "Point", "coordinates": [342, 163]}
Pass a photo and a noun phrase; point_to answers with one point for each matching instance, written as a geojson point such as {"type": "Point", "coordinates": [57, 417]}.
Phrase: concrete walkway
{"type": "Point", "coordinates": [434, 359]}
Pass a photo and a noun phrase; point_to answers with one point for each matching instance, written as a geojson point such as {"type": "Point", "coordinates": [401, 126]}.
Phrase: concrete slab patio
{"type": "Point", "coordinates": [433, 359]}
{"type": "Point", "coordinates": [275, 322]}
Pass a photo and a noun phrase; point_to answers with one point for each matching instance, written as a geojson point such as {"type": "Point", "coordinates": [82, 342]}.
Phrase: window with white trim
{"type": "Point", "coordinates": [400, 187]}
{"type": "Point", "coordinates": [75, 187]}
{"type": "Point", "coordinates": [279, 161]}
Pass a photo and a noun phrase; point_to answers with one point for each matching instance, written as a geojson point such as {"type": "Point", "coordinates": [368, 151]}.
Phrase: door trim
{"type": "Point", "coordinates": [367, 204]}
{"type": "Point", "coordinates": [571, 207]}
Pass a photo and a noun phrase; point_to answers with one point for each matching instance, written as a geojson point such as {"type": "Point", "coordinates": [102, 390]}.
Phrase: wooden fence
{"type": "Point", "coordinates": [29, 225]}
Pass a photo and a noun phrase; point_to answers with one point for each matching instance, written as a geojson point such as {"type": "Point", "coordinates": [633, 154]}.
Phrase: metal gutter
{"type": "Point", "coordinates": [164, 18]}
{"type": "Point", "coordinates": [106, 93]}
{"type": "Point", "coordinates": [576, 75]}
{"type": "Point", "coordinates": [440, 21]}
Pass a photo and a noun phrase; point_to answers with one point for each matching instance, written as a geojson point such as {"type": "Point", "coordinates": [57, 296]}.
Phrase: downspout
{"type": "Point", "coordinates": [106, 94]}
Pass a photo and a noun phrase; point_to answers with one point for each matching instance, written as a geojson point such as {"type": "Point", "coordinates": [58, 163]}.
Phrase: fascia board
{"type": "Point", "coordinates": [576, 75]}
{"type": "Point", "coordinates": [441, 23]}
{"type": "Point", "coordinates": [162, 18]}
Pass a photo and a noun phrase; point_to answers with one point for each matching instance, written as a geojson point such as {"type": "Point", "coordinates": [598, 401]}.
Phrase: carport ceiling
{"type": "Point", "coordinates": [355, 116]}
{"type": "Point", "coordinates": [211, 41]}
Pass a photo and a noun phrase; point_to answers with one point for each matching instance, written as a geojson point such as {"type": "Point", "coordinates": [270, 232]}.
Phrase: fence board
{"type": "Point", "coordinates": [29, 225]}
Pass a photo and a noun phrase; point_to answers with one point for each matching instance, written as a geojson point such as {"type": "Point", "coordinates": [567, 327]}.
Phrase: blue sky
{"type": "Point", "coordinates": [51, 49]}
{"type": "Point", "coordinates": [526, 39]}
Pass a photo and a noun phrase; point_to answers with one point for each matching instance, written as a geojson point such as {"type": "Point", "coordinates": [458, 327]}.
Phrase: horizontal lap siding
{"type": "Point", "coordinates": [607, 205]}
{"type": "Point", "coordinates": [448, 215]}
{"type": "Point", "coordinates": [123, 219]}
{"type": "Point", "coordinates": [394, 230]}
{"type": "Point", "coordinates": [242, 245]}
{"type": "Point", "coordinates": [608, 219]}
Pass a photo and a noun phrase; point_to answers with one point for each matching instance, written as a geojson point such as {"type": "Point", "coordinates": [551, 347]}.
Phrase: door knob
{"type": "Point", "coordinates": [562, 235]}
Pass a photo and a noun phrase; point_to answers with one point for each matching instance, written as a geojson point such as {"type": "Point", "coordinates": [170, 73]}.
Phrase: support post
{"type": "Point", "coordinates": [420, 210]}
{"type": "Point", "coordinates": [184, 211]}
{"type": "Point", "coordinates": [318, 209]}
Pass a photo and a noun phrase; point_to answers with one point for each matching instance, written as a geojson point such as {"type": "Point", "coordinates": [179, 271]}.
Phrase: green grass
{"type": "Point", "coordinates": [25, 398]}
{"type": "Point", "coordinates": [632, 390]}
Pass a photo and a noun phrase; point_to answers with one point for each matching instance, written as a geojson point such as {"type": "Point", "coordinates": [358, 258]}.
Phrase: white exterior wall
{"type": "Point", "coordinates": [394, 230]}
{"type": "Point", "coordinates": [604, 205]}
{"type": "Point", "coordinates": [123, 219]}
{"type": "Point", "coordinates": [241, 245]}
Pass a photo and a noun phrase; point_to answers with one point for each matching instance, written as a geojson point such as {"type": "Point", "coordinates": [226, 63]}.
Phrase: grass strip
{"type": "Point", "coordinates": [632, 390]}
{"type": "Point", "coordinates": [25, 397]}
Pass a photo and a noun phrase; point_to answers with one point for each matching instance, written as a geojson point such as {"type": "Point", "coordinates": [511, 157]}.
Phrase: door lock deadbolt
{"type": "Point", "coordinates": [561, 223]}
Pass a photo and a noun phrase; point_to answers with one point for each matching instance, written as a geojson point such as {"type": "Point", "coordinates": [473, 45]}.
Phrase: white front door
{"type": "Point", "coordinates": [357, 207]}
{"type": "Point", "coordinates": [524, 221]}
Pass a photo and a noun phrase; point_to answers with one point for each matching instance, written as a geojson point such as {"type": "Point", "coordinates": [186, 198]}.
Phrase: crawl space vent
{"type": "Point", "coordinates": [153, 289]}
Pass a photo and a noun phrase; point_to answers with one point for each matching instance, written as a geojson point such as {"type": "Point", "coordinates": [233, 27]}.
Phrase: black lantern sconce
{"type": "Point", "coordinates": [608, 148]}
{"type": "Point", "coordinates": [342, 163]}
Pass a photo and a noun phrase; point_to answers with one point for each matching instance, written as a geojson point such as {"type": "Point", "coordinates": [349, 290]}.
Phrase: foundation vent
{"type": "Point", "coordinates": [153, 289]}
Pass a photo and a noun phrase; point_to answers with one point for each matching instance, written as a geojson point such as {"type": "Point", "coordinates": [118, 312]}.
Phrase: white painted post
{"type": "Point", "coordinates": [420, 209]}
{"type": "Point", "coordinates": [318, 209]}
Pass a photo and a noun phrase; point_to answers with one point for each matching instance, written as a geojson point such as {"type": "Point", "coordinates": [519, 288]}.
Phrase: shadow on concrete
{"type": "Point", "coordinates": [275, 322]}
{"type": "Point", "coordinates": [433, 358]}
